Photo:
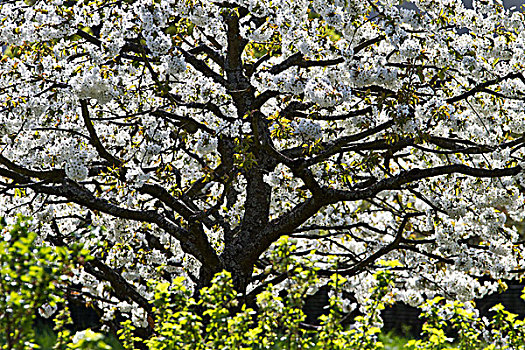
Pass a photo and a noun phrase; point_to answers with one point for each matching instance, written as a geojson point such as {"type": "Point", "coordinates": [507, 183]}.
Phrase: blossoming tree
{"type": "Point", "coordinates": [184, 137]}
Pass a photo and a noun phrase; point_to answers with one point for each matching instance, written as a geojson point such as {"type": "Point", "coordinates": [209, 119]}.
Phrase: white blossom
{"type": "Point", "coordinates": [307, 129]}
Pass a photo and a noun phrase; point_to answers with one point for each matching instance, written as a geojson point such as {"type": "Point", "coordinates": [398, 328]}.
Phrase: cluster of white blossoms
{"type": "Point", "coordinates": [259, 34]}
{"type": "Point", "coordinates": [76, 167]}
{"type": "Point", "coordinates": [47, 310]}
{"type": "Point", "coordinates": [137, 177]}
{"type": "Point", "coordinates": [76, 170]}
{"type": "Point", "coordinates": [93, 85]}
{"type": "Point", "coordinates": [289, 81]}
{"type": "Point", "coordinates": [206, 144]}
{"type": "Point", "coordinates": [173, 65]}
{"type": "Point", "coordinates": [325, 93]}
{"type": "Point", "coordinates": [363, 74]}
{"type": "Point", "coordinates": [307, 129]}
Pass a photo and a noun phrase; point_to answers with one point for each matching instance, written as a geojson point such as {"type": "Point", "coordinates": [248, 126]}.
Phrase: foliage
{"type": "Point", "coordinates": [30, 281]}
{"type": "Point", "coordinates": [176, 139]}
{"type": "Point", "coordinates": [33, 281]}
{"type": "Point", "coordinates": [503, 331]}
{"type": "Point", "coordinates": [217, 321]}
{"type": "Point", "coordinates": [277, 323]}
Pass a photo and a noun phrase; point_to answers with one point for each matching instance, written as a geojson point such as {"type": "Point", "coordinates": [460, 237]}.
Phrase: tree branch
{"type": "Point", "coordinates": [405, 177]}
{"type": "Point", "coordinates": [381, 252]}
{"type": "Point", "coordinates": [483, 86]}
{"type": "Point", "coordinates": [94, 139]}
{"type": "Point", "coordinates": [197, 245]}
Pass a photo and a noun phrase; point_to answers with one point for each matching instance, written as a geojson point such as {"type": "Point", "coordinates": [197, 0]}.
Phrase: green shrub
{"type": "Point", "coordinates": [33, 281]}
{"type": "Point", "coordinates": [216, 321]}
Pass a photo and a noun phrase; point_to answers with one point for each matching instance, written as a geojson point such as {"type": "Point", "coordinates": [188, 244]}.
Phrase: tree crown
{"type": "Point", "coordinates": [192, 135]}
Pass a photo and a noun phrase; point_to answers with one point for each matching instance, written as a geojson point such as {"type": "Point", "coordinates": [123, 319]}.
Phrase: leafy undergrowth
{"type": "Point", "coordinates": [32, 274]}
{"type": "Point", "coordinates": [46, 338]}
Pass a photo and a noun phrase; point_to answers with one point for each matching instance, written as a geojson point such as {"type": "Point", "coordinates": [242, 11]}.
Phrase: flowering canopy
{"type": "Point", "coordinates": [192, 134]}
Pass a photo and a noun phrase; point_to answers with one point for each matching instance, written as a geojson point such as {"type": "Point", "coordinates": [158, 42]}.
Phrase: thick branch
{"type": "Point", "coordinates": [481, 87]}
{"type": "Point", "coordinates": [211, 53]}
{"type": "Point", "coordinates": [52, 175]}
{"type": "Point", "coordinates": [203, 68]}
{"type": "Point", "coordinates": [94, 139]}
{"type": "Point", "coordinates": [297, 60]}
{"type": "Point", "coordinates": [187, 123]}
{"type": "Point", "coordinates": [333, 146]}
{"type": "Point", "coordinates": [405, 177]}
{"type": "Point", "coordinates": [197, 245]}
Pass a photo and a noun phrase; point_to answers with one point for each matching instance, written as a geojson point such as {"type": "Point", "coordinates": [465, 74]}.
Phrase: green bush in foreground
{"type": "Point", "coordinates": [275, 325]}
{"type": "Point", "coordinates": [32, 281]}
